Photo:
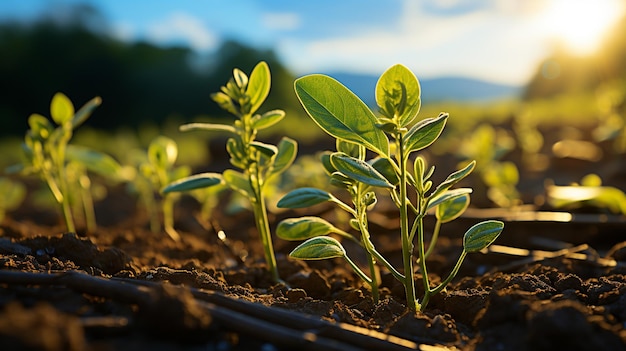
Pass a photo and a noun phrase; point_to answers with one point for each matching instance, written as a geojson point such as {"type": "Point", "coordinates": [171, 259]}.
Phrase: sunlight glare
{"type": "Point", "coordinates": [580, 24]}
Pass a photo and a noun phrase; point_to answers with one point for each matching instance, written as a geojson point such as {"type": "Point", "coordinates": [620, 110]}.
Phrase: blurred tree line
{"type": "Point", "coordinates": [565, 73]}
{"type": "Point", "coordinates": [138, 82]}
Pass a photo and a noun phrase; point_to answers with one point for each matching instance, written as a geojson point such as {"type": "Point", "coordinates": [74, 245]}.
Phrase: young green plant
{"type": "Point", "coordinates": [257, 162]}
{"type": "Point", "coordinates": [393, 139]}
{"type": "Point", "coordinates": [48, 154]}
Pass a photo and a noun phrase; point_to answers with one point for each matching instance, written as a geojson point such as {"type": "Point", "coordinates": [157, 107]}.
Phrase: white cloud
{"type": "Point", "coordinates": [281, 20]}
{"type": "Point", "coordinates": [183, 27]}
{"type": "Point", "coordinates": [488, 43]}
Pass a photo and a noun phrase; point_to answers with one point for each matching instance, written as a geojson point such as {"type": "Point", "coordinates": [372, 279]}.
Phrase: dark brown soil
{"type": "Point", "coordinates": [124, 288]}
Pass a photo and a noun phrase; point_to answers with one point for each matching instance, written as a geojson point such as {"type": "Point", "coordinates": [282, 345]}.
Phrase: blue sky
{"type": "Point", "coordinates": [497, 40]}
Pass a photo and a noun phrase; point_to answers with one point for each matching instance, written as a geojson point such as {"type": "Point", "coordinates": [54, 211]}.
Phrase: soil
{"type": "Point", "coordinates": [547, 285]}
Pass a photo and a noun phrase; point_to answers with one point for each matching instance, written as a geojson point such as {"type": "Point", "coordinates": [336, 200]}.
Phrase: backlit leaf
{"type": "Point", "coordinates": [450, 194]}
{"type": "Point", "coordinates": [238, 182]}
{"type": "Point", "coordinates": [451, 209]}
{"type": "Point", "coordinates": [287, 150]}
{"type": "Point", "coordinates": [359, 170]}
{"type": "Point", "coordinates": [258, 85]}
{"type": "Point", "coordinates": [61, 109]}
{"type": "Point", "coordinates": [95, 161]}
{"type": "Point", "coordinates": [304, 197]}
{"type": "Point", "coordinates": [303, 228]}
{"type": "Point", "coordinates": [163, 152]}
{"type": "Point", "coordinates": [267, 119]}
{"type": "Point", "coordinates": [481, 235]}
{"type": "Point", "coordinates": [399, 87]}
{"type": "Point", "coordinates": [339, 112]}
{"type": "Point", "coordinates": [425, 132]}
{"type": "Point", "coordinates": [208, 126]}
{"type": "Point", "coordinates": [453, 179]}
{"type": "Point", "coordinates": [196, 181]}
{"type": "Point", "coordinates": [318, 248]}
{"type": "Point", "coordinates": [84, 112]}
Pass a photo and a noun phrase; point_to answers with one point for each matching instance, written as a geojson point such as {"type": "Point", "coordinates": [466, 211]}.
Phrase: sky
{"type": "Point", "coordinates": [501, 41]}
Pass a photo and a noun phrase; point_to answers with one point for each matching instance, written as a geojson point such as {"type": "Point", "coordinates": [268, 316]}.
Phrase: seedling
{"type": "Point", "coordinates": [258, 162]}
{"type": "Point", "coordinates": [12, 193]}
{"type": "Point", "coordinates": [392, 139]}
{"type": "Point", "coordinates": [48, 154]}
{"type": "Point", "coordinates": [155, 170]}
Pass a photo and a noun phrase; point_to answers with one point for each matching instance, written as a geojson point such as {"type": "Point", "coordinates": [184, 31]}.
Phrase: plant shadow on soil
{"type": "Point", "coordinates": [124, 287]}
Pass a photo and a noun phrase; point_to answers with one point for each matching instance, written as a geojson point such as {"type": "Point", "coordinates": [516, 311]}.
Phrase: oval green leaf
{"type": "Point", "coordinates": [304, 197]}
{"type": "Point", "coordinates": [258, 86]}
{"type": "Point", "coordinates": [339, 112]}
{"type": "Point", "coordinates": [267, 119]}
{"type": "Point", "coordinates": [208, 126]}
{"type": "Point", "coordinates": [287, 150]}
{"type": "Point", "coordinates": [61, 109]}
{"type": "Point", "coordinates": [398, 87]}
{"type": "Point", "coordinates": [95, 161]}
{"type": "Point", "coordinates": [451, 209]}
{"type": "Point", "coordinates": [238, 182]}
{"type": "Point", "coordinates": [450, 194]}
{"type": "Point", "coordinates": [163, 152]}
{"type": "Point", "coordinates": [425, 132]}
{"type": "Point", "coordinates": [304, 228]}
{"type": "Point", "coordinates": [453, 179]}
{"type": "Point", "coordinates": [85, 111]}
{"type": "Point", "coordinates": [267, 150]}
{"type": "Point", "coordinates": [384, 167]}
{"type": "Point", "coordinates": [318, 248]}
{"type": "Point", "coordinates": [481, 235]}
{"type": "Point", "coordinates": [196, 181]}
{"type": "Point", "coordinates": [358, 170]}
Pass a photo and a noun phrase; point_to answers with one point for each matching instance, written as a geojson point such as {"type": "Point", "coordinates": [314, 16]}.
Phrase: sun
{"type": "Point", "coordinates": [580, 24]}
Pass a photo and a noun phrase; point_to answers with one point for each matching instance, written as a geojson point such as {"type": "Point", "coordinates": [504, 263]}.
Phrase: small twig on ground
{"type": "Point", "coordinates": [274, 325]}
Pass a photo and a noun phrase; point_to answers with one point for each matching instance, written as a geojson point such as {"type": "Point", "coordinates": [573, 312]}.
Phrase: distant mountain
{"type": "Point", "coordinates": [435, 89]}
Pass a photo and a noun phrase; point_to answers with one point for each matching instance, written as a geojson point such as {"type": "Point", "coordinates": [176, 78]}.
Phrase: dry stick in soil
{"type": "Point", "coordinates": [277, 326]}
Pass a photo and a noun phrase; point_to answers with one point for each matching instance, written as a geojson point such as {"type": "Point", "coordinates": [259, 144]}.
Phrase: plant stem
{"type": "Point", "coordinates": [87, 200]}
{"type": "Point", "coordinates": [422, 263]}
{"type": "Point", "coordinates": [433, 240]}
{"type": "Point", "coordinates": [262, 222]}
{"type": "Point", "coordinates": [407, 245]}
{"type": "Point", "coordinates": [168, 217]}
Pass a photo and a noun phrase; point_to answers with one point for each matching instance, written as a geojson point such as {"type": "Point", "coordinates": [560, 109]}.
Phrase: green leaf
{"type": "Point", "coordinates": [208, 126]}
{"type": "Point", "coordinates": [240, 78]}
{"type": "Point", "coordinates": [85, 111]}
{"type": "Point", "coordinates": [318, 248]}
{"type": "Point", "coordinates": [349, 148]}
{"type": "Point", "coordinates": [450, 194]}
{"type": "Point", "coordinates": [328, 167]}
{"type": "Point", "coordinates": [340, 113]}
{"type": "Point", "coordinates": [358, 170]}
{"type": "Point", "coordinates": [267, 119]}
{"type": "Point", "coordinates": [453, 179]}
{"type": "Point", "coordinates": [162, 152]}
{"type": "Point", "coordinates": [196, 181]}
{"type": "Point", "coordinates": [287, 150]}
{"type": "Point", "coordinates": [481, 235]}
{"type": "Point", "coordinates": [398, 87]}
{"type": "Point", "coordinates": [237, 156]}
{"type": "Point", "coordinates": [258, 86]}
{"type": "Point", "coordinates": [303, 228]}
{"type": "Point", "coordinates": [61, 109]}
{"type": "Point", "coordinates": [40, 126]}
{"type": "Point", "coordinates": [304, 197]}
{"type": "Point", "coordinates": [425, 132]}
{"type": "Point", "coordinates": [95, 161]}
{"type": "Point", "coordinates": [384, 167]}
{"type": "Point", "coordinates": [451, 209]}
{"type": "Point", "coordinates": [266, 149]}
{"type": "Point", "coordinates": [238, 182]}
